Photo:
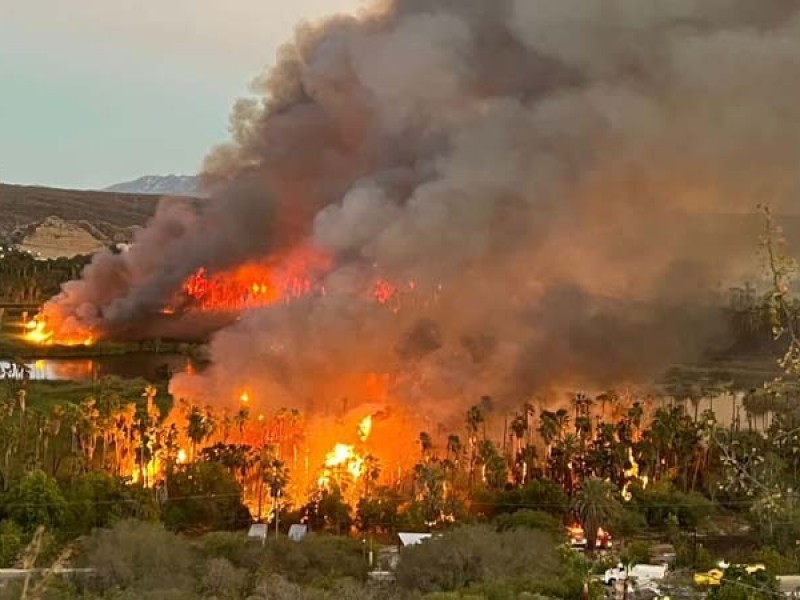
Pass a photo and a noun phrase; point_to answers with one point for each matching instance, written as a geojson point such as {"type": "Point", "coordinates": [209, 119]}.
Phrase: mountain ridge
{"type": "Point", "coordinates": [160, 185]}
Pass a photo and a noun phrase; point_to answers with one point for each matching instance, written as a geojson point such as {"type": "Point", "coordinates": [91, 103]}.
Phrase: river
{"type": "Point", "coordinates": [150, 366]}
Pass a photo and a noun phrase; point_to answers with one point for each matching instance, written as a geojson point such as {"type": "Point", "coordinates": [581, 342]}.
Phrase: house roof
{"type": "Point", "coordinates": [411, 539]}
{"type": "Point", "coordinates": [297, 532]}
{"type": "Point", "coordinates": [257, 530]}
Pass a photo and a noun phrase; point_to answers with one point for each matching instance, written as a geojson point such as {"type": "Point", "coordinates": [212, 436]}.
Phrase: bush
{"type": "Point", "coordinates": [661, 504]}
{"type": "Point", "coordinates": [537, 495]}
{"type": "Point", "coordinates": [316, 557]}
{"type": "Point", "coordinates": [205, 496]}
{"type": "Point", "coordinates": [636, 553]}
{"type": "Point", "coordinates": [222, 580]}
{"type": "Point", "coordinates": [235, 547]}
{"type": "Point", "coordinates": [37, 500]}
{"type": "Point", "coordinates": [777, 562]}
{"type": "Point", "coordinates": [276, 587]}
{"type": "Point", "coordinates": [98, 499]}
{"type": "Point", "coordinates": [12, 541]}
{"type": "Point", "coordinates": [687, 556]}
{"type": "Point", "coordinates": [529, 519]}
{"type": "Point", "coordinates": [738, 584]}
{"type": "Point", "coordinates": [476, 554]}
{"type": "Point", "coordinates": [140, 556]}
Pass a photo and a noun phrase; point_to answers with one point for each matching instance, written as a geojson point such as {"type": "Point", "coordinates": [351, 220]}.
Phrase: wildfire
{"type": "Point", "coordinates": [38, 331]}
{"type": "Point", "coordinates": [632, 474]}
{"type": "Point", "coordinates": [384, 291]}
{"type": "Point", "coordinates": [365, 428]}
{"type": "Point", "coordinates": [345, 458]}
{"type": "Point", "coordinates": [256, 284]}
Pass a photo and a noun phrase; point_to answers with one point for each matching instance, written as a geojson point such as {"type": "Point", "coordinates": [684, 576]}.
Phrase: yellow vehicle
{"type": "Point", "coordinates": [714, 576]}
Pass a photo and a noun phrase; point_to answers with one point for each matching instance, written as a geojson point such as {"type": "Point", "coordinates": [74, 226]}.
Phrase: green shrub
{"type": "Point", "coordinates": [636, 553]}
{"type": "Point", "coordinates": [316, 557]}
{"type": "Point", "coordinates": [37, 500]}
{"type": "Point", "coordinates": [777, 562]}
{"type": "Point", "coordinates": [204, 497]}
{"type": "Point", "coordinates": [235, 547]}
{"type": "Point", "coordinates": [473, 555]}
{"type": "Point", "coordinates": [12, 541]}
{"type": "Point", "coordinates": [141, 556]}
{"type": "Point", "coordinates": [529, 519]}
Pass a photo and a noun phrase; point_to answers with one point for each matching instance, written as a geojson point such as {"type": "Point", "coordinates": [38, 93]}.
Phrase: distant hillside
{"type": "Point", "coordinates": [55, 222]}
{"type": "Point", "coordinates": [160, 185]}
{"type": "Point", "coordinates": [56, 238]}
{"type": "Point", "coordinates": [23, 206]}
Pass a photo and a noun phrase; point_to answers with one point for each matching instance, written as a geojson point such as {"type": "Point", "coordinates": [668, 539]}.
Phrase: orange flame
{"type": "Point", "coordinates": [342, 457]}
{"type": "Point", "coordinates": [39, 332]}
{"type": "Point", "coordinates": [257, 284]}
{"type": "Point", "coordinates": [365, 428]}
{"type": "Point", "coordinates": [632, 473]}
{"type": "Point", "coordinates": [345, 457]}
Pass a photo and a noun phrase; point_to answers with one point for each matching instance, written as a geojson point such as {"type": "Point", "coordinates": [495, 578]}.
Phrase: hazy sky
{"type": "Point", "coordinates": [94, 92]}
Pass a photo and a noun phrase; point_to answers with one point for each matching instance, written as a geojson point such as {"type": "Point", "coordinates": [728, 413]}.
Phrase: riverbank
{"type": "Point", "coordinates": [12, 346]}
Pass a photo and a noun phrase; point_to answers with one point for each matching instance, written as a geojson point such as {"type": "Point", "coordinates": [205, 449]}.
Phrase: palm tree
{"type": "Point", "coordinates": [227, 425]}
{"type": "Point", "coordinates": [429, 484]}
{"type": "Point", "coordinates": [595, 505]}
{"type": "Point", "coordinates": [527, 460]}
{"type": "Point", "coordinates": [565, 454]}
{"type": "Point", "coordinates": [240, 420]}
{"type": "Point", "coordinates": [474, 419]}
{"type": "Point", "coordinates": [372, 473]}
{"type": "Point", "coordinates": [198, 428]}
{"type": "Point", "coordinates": [548, 429]}
{"type": "Point", "coordinates": [454, 448]}
{"type": "Point", "coordinates": [426, 444]}
{"type": "Point", "coordinates": [529, 412]}
{"type": "Point", "coordinates": [519, 425]}
{"type": "Point", "coordinates": [603, 399]}
{"type": "Point", "coordinates": [562, 421]}
{"type": "Point", "coordinates": [635, 415]}
{"type": "Point", "coordinates": [52, 430]}
{"type": "Point", "coordinates": [88, 427]}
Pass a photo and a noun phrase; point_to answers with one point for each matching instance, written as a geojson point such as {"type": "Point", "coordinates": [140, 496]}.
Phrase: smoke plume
{"type": "Point", "coordinates": [552, 185]}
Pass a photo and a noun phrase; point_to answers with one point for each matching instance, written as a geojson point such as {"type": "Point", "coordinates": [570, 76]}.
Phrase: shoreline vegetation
{"type": "Point", "coordinates": [13, 347]}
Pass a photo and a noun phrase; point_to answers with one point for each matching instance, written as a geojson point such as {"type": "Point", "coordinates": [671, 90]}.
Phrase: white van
{"type": "Point", "coordinates": [643, 574]}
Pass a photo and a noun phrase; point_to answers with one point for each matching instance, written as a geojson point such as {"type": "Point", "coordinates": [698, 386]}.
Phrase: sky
{"type": "Point", "coordinates": [95, 92]}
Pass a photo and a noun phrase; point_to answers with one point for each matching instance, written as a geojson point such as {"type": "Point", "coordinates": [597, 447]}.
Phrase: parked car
{"type": "Point", "coordinates": [643, 574]}
{"type": "Point", "coordinates": [714, 576]}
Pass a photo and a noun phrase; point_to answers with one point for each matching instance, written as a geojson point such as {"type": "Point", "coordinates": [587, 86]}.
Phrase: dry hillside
{"type": "Point", "coordinates": [108, 215]}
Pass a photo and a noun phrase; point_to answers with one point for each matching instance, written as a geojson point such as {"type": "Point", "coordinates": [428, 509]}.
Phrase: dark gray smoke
{"type": "Point", "coordinates": [559, 179]}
